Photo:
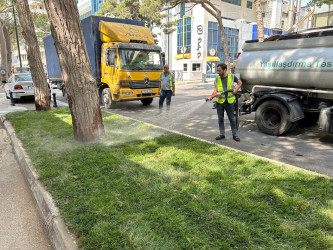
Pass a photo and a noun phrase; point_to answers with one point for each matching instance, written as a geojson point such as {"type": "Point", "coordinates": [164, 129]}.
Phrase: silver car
{"type": "Point", "coordinates": [21, 85]}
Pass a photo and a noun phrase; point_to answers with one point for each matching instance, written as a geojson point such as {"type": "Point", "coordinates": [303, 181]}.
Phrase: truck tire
{"type": "Point", "coordinates": [272, 118]}
{"type": "Point", "coordinates": [147, 101]}
{"type": "Point", "coordinates": [107, 101]}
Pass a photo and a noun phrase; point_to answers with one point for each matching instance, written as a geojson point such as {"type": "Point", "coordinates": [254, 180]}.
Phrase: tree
{"type": "Point", "coordinates": [81, 87]}
{"type": "Point", "coordinates": [3, 49]}
{"type": "Point", "coordinates": [42, 97]}
{"type": "Point", "coordinates": [127, 9]}
{"type": "Point", "coordinates": [260, 25]}
{"type": "Point", "coordinates": [320, 3]}
{"type": "Point", "coordinates": [144, 10]}
{"type": "Point", "coordinates": [5, 45]}
{"type": "Point", "coordinates": [6, 18]}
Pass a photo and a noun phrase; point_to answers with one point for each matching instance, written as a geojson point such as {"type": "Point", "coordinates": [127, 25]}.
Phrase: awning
{"type": "Point", "coordinates": [180, 56]}
{"type": "Point", "coordinates": [213, 59]}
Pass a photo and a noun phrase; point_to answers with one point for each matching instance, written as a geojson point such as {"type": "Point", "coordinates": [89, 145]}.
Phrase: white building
{"type": "Point", "coordinates": [275, 14]}
{"type": "Point", "coordinates": [202, 37]}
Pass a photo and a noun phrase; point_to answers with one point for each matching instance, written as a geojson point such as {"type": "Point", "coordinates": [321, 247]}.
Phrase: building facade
{"type": "Point", "coordinates": [195, 48]}
{"type": "Point", "coordinates": [275, 14]}
{"type": "Point", "coordinates": [88, 7]}
{"type": "Point", "coordinates": [323, 16]}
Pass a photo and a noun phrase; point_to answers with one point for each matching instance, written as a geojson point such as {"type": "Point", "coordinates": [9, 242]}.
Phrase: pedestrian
{"type": "Point", "coordinates": [223, 82]}
{"type": "Point", "coordinates": [166, 88]}
{"type": "Point", "coordinates": [233, 69]}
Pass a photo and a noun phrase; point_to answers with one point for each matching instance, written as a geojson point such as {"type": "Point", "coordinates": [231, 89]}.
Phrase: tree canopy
{"type": "Point", "coordinates": [320, 3]}
{"type": "Point", "coordinates": [145, 10]}
{"type": "Point", "coordinates": [40, 20]}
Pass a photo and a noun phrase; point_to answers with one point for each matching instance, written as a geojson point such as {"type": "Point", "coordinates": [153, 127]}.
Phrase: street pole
{"type": "Point", "coordinates": [17, 40]}
{"type": "Point", "coordinates": [291, 12]}
{"type": "Point", "coordinates": [298, 13]}
{"type": "Point", "coordinates": [168, 40]}
{"type": "Point", "coordinates": [329, 15]}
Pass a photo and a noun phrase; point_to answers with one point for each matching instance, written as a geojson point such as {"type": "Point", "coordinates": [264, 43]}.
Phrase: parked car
{"type": "Point", "coordinates": [21, 85]}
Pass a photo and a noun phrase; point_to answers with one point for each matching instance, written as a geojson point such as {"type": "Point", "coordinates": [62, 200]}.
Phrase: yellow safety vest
{"type": "Point", "coordinates": [231, 96]}
{"type": "Point", "coordinates": [170, 76]}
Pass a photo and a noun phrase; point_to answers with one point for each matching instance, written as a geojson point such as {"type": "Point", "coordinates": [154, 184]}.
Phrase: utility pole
{"type": "Point", "coordinates": [291, 14]}
{"type": "Point", "coordinates": [329, 15]}
{"type": "Point", "coordinates": [298, 12]}
{"type": "Point", "coordinates": [17, 40]}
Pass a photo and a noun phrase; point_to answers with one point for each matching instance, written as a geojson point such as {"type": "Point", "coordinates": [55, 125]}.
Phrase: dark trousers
{"type": "Point", "coordinates": [229, 108]}
{"type": "Point", "coordinates": [165, 94]}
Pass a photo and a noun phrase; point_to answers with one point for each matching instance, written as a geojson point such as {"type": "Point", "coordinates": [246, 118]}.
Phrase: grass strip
{"type": "Point", "coordinates": [143, 188]}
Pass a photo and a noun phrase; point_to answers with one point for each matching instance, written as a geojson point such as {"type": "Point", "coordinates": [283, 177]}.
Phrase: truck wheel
{"type": "Point", "coordinates": [107, 101]}
{"type": "Point", "coordinates": [147, 101]}
{"type": "Point", "coordinates": [272, 118]}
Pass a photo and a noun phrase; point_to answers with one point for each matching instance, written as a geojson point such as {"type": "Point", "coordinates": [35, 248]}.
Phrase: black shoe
{"type": "Point", "coordinates": [220, 137]}
{"type": "Point", "coordinates": [236, 138]}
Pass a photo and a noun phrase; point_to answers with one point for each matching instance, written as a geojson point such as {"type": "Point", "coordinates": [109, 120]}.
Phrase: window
{"type": "Point", "coordinates": [182, 10]}
{"type": "Point", "coordinates": [214, 42]}
{"type": "Point", "coordinates": [195, 66]}
{"type": "Point", "coordinates": [136, 59]}
{"type": "Point", "coordinates": [111, 57]}
{"type": "Point", "coordinates": [185, 67]}
{"type": "Point", "coordinates": [249, 5]}
{"type": "Point", "coordinates": [187, 35]}
{"type": "Point", "coordinates": [236, 2]}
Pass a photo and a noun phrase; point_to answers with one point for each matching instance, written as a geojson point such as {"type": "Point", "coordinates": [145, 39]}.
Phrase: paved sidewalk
{"type": "Point", "coordinates": [20, 224]}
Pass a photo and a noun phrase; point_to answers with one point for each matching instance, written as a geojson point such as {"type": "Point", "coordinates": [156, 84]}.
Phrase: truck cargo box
{"type": "Point", "coordinates": [92, 36]}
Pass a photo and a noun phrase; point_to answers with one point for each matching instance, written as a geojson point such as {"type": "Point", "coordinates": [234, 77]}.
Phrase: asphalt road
{"type": "Point", "coordinates": [305, 147]}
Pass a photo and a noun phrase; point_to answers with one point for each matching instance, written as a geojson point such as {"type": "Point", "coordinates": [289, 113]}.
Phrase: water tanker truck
{"type": "Point", "coordinates": [288, 80]}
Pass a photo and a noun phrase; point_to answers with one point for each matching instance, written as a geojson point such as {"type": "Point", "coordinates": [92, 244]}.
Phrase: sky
{"type": "Point", "coordinates": [305, 2]}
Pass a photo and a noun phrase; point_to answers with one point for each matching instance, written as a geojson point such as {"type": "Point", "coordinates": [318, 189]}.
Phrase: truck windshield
{"type": "Point", "coordinates": [140, 59]}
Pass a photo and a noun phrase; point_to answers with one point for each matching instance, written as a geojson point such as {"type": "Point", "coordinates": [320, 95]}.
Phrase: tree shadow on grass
{"type": "Point", "coordinates": [170, 192]}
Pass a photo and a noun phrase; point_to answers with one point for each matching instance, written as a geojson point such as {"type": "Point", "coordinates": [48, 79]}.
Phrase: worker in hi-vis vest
{"type": "Point", "coordinates": [223, 82]}
{"type": "Point", "coordinates": [166, 87]}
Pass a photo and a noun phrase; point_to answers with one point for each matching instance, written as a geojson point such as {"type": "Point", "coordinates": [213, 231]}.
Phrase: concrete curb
{"type": "Point", "coordinates": [59, 235]}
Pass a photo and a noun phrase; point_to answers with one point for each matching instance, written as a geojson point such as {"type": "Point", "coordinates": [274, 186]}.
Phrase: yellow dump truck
{"type": "Point", "coordinates": [124, 59]}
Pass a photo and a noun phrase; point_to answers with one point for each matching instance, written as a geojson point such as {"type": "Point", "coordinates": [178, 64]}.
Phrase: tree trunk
{"type": "Point", "coordinates": [9, 51]}
{"type": "Point", "coordinates": [3, 49]}
{"type": "Point", "coordinates": [260, 25]}
{"type": "Point", "coordinates": [81, 88]}
{"type": "Point", "coordinates": [224, 40]}
{"type": "Point", "coordinates": [42, 97]}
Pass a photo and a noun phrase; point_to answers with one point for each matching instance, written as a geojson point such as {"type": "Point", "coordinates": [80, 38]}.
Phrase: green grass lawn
{"type": "Point", "coordinates": [143, 188]}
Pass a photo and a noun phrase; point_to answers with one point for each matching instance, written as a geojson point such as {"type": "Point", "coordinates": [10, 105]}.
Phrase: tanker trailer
{"type": "Point", "coordinates": [288, 80]}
